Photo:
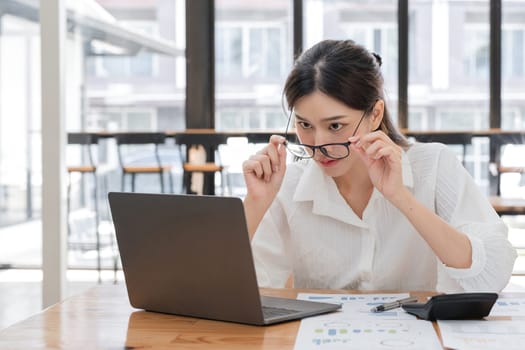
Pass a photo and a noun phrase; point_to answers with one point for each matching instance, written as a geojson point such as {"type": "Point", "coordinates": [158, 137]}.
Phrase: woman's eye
{"type": "Point", "coordinates": [304, 125]}
{"type": "Point", "coordinates": [336, 126]}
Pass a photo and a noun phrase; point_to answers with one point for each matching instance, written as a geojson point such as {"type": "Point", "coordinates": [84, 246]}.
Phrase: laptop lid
{"type": "Point", "coordinates": [190, 255]}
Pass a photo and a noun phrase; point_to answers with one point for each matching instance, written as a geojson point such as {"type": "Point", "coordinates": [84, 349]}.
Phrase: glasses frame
{"type": "Point", "coordinates": [321, 148]}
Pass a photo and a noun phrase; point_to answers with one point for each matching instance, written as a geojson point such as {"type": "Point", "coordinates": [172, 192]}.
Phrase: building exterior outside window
{"type": "Point", "coordinates": [134, 85]}
{"type": "Point", "coordinates": [253, 54]}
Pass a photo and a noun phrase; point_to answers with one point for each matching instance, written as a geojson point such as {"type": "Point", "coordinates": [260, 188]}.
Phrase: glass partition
{"type": "Point", "coordinates": [253, 55]}
{"type": "Point", "coordinates": [124, 71]}
{"type": "Point", "coordinates": [20, 139]}
{"type": "Point", "coordinates": [448, 65]}
{"type": "Point", "coordinates": [513, 65]}
{"type": "Point", "coordinates": [371, 23]}
{"type": "Point", "coordinates": [448, 87]}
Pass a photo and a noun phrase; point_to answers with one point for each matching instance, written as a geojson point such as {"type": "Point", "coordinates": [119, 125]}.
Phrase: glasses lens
{"type": "Point", "coordinates": [299, 150]}
{"type": "Point", "coordinates": [335, 151]}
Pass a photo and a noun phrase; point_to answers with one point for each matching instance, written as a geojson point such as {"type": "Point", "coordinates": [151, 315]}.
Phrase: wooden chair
{"type": "Point", "coordinates": [208, 167]}
{"type": "Point", "coordinates": [505, 205]}
{"type": "Point", "coordinates": [152, 165]}
{"type": "Point", "coordinates": [87, 166]}
{"type": "Point", "coordinates": [507, 170]}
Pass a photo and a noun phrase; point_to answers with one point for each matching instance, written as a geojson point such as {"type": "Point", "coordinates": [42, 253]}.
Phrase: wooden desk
{"type": "Point", "coordinates": [508, 206]}
{"type": "Point", "coordinates": [102, 318]}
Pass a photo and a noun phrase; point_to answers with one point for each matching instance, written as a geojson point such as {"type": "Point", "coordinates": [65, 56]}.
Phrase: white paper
{"type": "Point", "coordinates": [483, 334]}
{"type": "Point", "coordinates": [356, 327]}
{"type": "Point", "coordinates": [336, 331]}
{"type": "Point", "coordinates": [508, 306]}
{"type": "Point", "coordinates": [358, 305]}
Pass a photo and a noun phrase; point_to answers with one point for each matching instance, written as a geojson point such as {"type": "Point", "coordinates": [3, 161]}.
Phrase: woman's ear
{"type": "Point", "coordinates": [376, 116]}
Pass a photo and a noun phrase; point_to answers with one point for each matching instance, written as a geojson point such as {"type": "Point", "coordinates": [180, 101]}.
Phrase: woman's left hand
{"type": "Point", "coordinates": [382, 158]}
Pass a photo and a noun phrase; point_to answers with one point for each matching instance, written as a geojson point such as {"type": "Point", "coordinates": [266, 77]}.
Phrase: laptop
{"type": "Point", "coordinates": [190, 255]}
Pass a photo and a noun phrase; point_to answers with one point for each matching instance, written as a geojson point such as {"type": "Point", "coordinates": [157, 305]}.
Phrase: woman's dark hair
{"type": "Point", "coordinates": [345, 71]}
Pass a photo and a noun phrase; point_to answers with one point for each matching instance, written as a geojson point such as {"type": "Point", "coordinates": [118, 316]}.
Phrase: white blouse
{"type": "Point", "coordinates": [312, 232]}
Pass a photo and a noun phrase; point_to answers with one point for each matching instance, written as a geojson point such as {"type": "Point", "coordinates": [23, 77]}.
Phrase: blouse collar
{"type": "Point", "coordinates": [315, 186]}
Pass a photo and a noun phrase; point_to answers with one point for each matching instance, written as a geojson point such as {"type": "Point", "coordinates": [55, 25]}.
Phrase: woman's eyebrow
{"type": "Point", "coordinates": [297, 116]}
{"type": "Point", "coordinates": [335, 117]}
{"type": "Point", "coordinates": [328, 119]}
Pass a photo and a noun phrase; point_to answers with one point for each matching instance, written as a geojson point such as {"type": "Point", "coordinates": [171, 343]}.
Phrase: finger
{"type": "Point", "coordinates": [374, 150]}
{"type": "Point", "coordinates": [358, 150]}
{"type": "Point", "coordinates": [374, 147]}
{"type": "Point", "coordinates": [375, 136]}
{"type": "Point", "coordinates": [265, 164]}
{"type": "Point", "coordinates": [268, 163]}
{"type": "Point", "coordinates": [391, 154]}
{"type": "Point", "coordinates": [272, 152]}
{"type": "Point", "coordinates": [277, 139]}
{"type": "Point", "coordinates": [251, 166]}
{"type": "Point", "coordinates": [267, 168]}
{"type": "Point", "coordinates": [282, 158]}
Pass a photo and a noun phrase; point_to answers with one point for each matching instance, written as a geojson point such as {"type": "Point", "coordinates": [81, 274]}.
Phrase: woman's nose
{"type": "Point", "coordinates": [318, 155]}
{"type": "Point", "coordinates": [321, 139]}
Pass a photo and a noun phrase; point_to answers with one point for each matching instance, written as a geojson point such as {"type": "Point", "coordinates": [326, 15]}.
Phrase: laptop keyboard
{"type": "Point", "coordinates": [270, 312]}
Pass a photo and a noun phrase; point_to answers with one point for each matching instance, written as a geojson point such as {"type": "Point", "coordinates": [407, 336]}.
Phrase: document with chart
{"type": "Point", "coordinates": [509, 306]}
{"type": "Point", "coordinates": [490, 334]}
{"type": "Point", "coordinates": [336, 332]}
{"type": "Point", "coordinates": [356, 327]}
{"type": "Point", "coordinates": [483, 334]}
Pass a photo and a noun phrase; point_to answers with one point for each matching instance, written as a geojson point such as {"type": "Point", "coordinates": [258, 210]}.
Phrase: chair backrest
{"type": "Point", "coordinates": [140, 138]}
{"type": "Point", "coordinates": [82, 138]}
{"type": "Point", "coordinates": [207, 140]}
{"type": "Point", "coordinates": [85, 140]}
{"type": "Point", "coordinates": [507, 150]}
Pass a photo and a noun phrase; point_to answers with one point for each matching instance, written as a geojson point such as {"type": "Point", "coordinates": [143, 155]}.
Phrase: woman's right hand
{"type": "Point", "coordinates": [264, 171]}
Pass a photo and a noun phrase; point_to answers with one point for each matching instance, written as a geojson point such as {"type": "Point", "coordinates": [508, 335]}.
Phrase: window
{"type": "Point", "coordinates": [249, 52]}
{"type": "Point", "coordinates": [380, 38]}
{"type": "Point", "coordinates": [513, 65]}
{"type": "Point", "coordinates": [143, 64]}
{"type": "Point", "coordinates": [513, 53]}
{"type": "Point", "coordinates": [449, 65]}
{"type": "Point", "coordinates": [253, 55]}
{"type": "Point", "coordinates": [476, 54]}
{"type": "Point", "coordinates": [129, 119]}
{"type": "Point", "coordinates": [249, 118]}
{"type": "Point", "coordinates": [228, 52]}
{"type": "Point", "coordinates": [370, 23]}
{"type": "Point", "coordinates": [461, 118]}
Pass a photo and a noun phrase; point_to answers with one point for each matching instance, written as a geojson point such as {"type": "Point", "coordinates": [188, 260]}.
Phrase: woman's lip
{"type": "Point", "coordinates": [327, 162]}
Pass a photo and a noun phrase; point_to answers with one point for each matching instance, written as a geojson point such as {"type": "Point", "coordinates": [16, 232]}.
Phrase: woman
{"type": "Point", "coordinates": [364, 209]}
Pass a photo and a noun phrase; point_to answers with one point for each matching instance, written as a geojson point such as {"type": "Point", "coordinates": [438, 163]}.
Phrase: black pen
{"type": "Point", "coordinates": [393, 305]}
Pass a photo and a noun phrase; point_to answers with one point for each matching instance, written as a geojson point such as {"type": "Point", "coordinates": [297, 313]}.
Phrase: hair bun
{"type": "Point", "coordinates": [378, 58]}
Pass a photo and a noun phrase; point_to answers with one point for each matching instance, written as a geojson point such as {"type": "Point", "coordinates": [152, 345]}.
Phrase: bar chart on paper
{"type": "Point", "coordinates": [356, 327]}
{"type": "Point", "coordinates": [328, 332]}
{"type": "Point", "coordinates": [508, 306]}
{"type": "Point", "coordinates": [483, 334]}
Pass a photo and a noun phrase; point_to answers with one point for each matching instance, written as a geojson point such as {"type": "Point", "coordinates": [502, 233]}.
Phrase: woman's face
{"type": "Point", "coordinates": [321, 119]}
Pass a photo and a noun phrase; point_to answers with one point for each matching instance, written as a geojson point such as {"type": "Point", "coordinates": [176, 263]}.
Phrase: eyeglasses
{"type": "Point", "coordinates": [329, 150]}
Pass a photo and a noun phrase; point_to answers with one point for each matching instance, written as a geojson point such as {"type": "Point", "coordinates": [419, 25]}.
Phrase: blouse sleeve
{"type": "Point", "coordinates": [460, 202]}
{"type": "Point", "coordinates": [269, 247]}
